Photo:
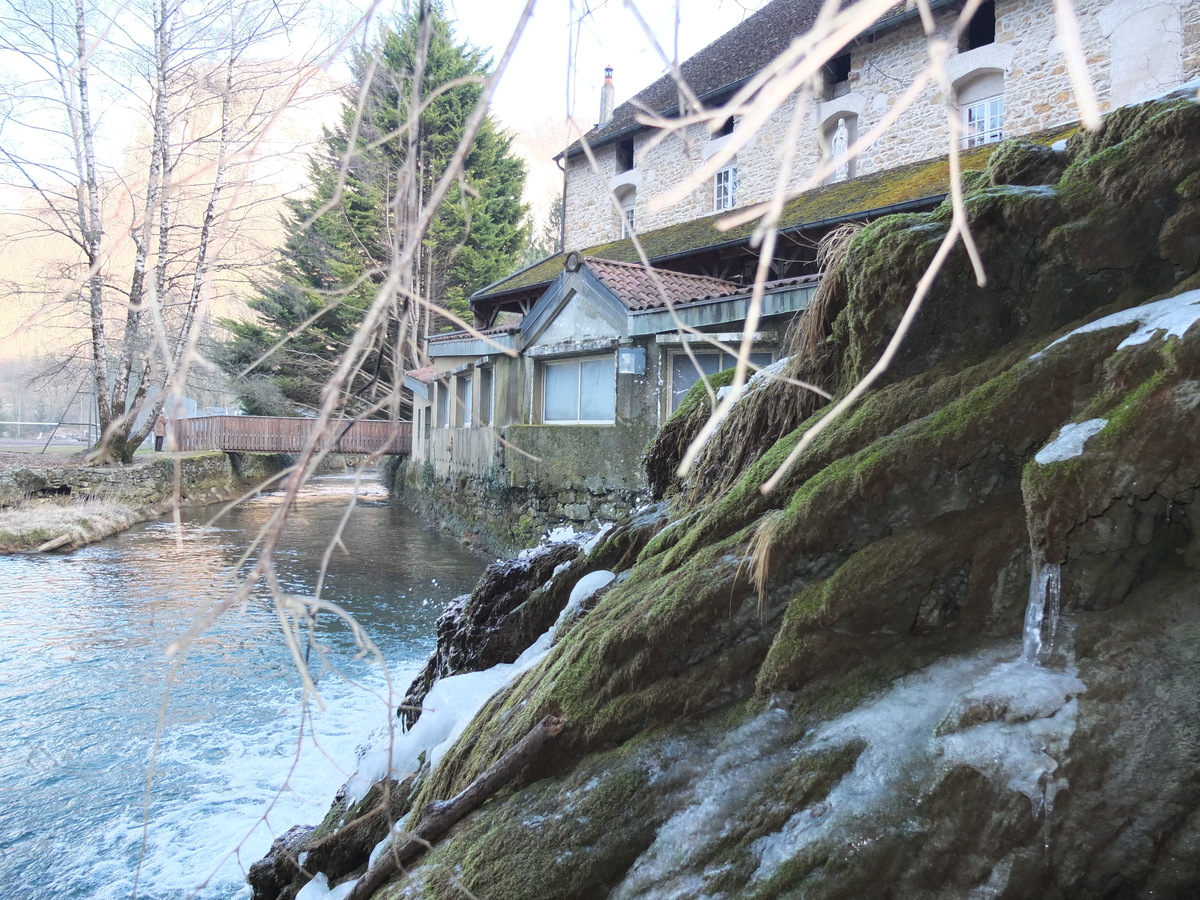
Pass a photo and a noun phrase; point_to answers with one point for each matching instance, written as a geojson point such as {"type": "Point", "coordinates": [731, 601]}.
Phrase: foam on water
{"type": "Point", "coordinates": [83, 674]}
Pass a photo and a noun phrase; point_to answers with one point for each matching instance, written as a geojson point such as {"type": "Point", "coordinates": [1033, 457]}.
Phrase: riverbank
{"type": "Point", "coordinates": [58, 502]}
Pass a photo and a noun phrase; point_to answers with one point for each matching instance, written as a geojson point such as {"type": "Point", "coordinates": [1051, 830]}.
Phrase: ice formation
{"type": "Point", "coordinates": [1006, 718]}
{"type": "Point", "coordinates": [1045, 590]}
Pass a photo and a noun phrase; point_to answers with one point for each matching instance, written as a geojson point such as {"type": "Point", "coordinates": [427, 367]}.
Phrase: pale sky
{"type": "Point", "coordinates": [605, 33]}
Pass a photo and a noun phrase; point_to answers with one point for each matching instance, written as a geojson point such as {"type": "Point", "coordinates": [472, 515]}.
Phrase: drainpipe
{"type": "Point", "coordinates": [562, 217]}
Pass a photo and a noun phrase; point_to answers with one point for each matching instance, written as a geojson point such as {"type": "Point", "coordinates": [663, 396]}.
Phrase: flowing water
{"type": "Point", "coordinates": [84, 676]}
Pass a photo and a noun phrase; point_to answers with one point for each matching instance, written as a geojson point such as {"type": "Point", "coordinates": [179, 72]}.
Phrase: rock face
{"type": "Point", "coordinates": [824, 691]}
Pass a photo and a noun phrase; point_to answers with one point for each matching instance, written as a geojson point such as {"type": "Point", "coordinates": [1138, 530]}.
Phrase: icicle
{"type": "Point", "coordinates": [1045, 590]}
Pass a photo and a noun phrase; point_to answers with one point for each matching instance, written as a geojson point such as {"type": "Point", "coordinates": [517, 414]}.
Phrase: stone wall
{"type": "Point", "coordinates": [554, 475]}
{"type": "Point", "coordinates": [1134, 49]}
{"type": "Point", "coordinates": [149, 485]}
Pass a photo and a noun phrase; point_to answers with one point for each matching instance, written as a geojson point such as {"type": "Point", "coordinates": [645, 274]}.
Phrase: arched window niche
{"type": "Point", "coordinates": [980, 100]}
{"type": "Point", "coordinates": [837, 135]}
{"type": "Point", "coordinates": [977, 77]}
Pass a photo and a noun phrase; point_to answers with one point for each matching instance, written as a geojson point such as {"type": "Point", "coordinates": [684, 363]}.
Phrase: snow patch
{"type": "Point", "coordinates": [318, 889]}
{"type": "Point", "coordinates": [1189, 90]}
{"type": "Point", "coordinates": [585, 589]}
{"type": "Point", "coordinates": [454, 701]}
{"type": "Point", "coordinates": [1070, 441]}
{"type": "Point", "coordinates": [448, 708]}
{"type": "Point", "coordinates": [599, 536]}
{"type": "Point", "coordinates": [1171, 317]}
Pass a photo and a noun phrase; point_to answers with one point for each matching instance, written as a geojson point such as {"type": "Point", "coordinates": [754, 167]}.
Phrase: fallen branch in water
{"type": "Point", "coordinates": [441, 815]}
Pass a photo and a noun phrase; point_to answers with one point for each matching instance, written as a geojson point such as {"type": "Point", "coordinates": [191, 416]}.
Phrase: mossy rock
{"type": "Point", "coordinates": [572, 837]}
{"type": "Point", "coordinates": [1024, 162]}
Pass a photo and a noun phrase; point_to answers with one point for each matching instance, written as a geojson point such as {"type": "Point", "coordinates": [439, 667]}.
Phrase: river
{"type": "Point", "coordinates": [84, 676]}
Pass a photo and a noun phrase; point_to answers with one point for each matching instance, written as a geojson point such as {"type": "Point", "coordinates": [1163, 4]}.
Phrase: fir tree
{"type": "Point", "coordinates": [340, 238]}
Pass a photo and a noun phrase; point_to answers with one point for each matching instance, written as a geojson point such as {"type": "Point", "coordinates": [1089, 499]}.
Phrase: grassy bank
{"type": "Point", "coordinates": [58, 502]}
{"type": "Point", "coordinates": [62, 525]}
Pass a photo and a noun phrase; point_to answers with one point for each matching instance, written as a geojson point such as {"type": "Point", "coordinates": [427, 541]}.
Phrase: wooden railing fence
{"type": "Point", "coordinates": [270, 434]}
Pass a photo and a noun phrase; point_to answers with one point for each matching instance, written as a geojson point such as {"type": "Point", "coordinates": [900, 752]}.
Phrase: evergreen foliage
{"type": "Point", "coordinates": [339, 241]}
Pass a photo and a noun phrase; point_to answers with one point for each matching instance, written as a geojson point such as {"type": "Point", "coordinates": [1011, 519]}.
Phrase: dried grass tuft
{"type": "Point", "coordinates": [35, 523]}
{"type": "Point", "coordinates": [807, 340]}
{"type": "Point", "coordinates": [760, 556]}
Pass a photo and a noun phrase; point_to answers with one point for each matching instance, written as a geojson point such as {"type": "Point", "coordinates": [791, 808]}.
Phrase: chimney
{"type": "Point", "coordinates": [606, 98]}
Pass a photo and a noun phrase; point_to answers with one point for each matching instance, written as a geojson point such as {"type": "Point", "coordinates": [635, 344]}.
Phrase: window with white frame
{"type": "Point", "coordinates": [462, 400]}
{"type": "Point", "coordinates": [580, 391]}
{"type": "Point", "coordinates": [983, 122]}
{"type": "Point", "coordinates": [981, 100]}
{"type": "Point", "coordinates": [685, 372]}
{"type": "Point", "coordinates": [725, 186]}
{"type": "Point", "coordinates": [627, 213]}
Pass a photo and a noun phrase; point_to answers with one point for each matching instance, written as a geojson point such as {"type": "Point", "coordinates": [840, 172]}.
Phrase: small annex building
{"type": "Point", "coordinates": [541, 413]}
{"type": "Point", "coordinates": [565, 401]}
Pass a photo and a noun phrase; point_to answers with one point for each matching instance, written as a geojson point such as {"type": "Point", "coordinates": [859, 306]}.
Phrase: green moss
{"type": "Point", "coordinates": [871, 573]}
{"type": "Point", "coordinates": [559, 838]}
{"type": "Point", "coordinates": [667, 449]}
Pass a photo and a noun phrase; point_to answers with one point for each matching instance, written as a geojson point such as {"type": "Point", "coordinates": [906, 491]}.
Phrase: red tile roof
{"type": "Point", "coordinates": [640, 288]}
{"type": "Point", "coordinates": [425, 374]}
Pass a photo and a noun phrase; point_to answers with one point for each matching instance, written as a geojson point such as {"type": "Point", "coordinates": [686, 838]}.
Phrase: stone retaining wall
{"type": "Point", "coordinates": [490, 513]}
{"type": "Point", "coordinates": [202, 478]}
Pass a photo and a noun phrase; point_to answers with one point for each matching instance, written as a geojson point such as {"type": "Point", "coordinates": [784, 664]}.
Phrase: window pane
{"type": "Point", "coordinates": [464, 399]}
{"type": "Point", "coordinates": [725, 188]}
{"type": "Point", "coordinates": [560, 386]}
{"type": "Point", "coordinates": [684, 374]}
{"type": "Point", "coordinates": [443, 404]}
{"type": "Point", "coordinates": [486, 387]}
{"type": "Point", "coordinates": [598, 390]}
{"type": "Point", "coordinates": [984, 122]}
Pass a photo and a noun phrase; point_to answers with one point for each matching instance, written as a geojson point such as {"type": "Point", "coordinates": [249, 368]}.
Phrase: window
{"type": "Point", "coordinates": [579, 391]}
{"type": "Point", "coordinates": [725, 186]}
{"type": "Point", "coordinates": [427, 421]}
{"type": "Point", "coordinates": [487, 389]}
{"type": "Point", "coordinates": [981, 30]}
{"type": "Point", "coordinates": [836, 73]}
{"type": "Point", "coordinates": [981, 99]}
{"type": "Point", "coordinates": [627, 213]}
{"type": "Point", "coordinates": [983, 122]}
{"type": "Point", "coordinates": [725, 129]}
{"type": "Point", "coordinates": [443, 404]}
{"type": "Point", "coordinates": [625, 155]}
{"type": "Point", "coordinates": [462, 400]}
{"type": "Point", "coordinates": [684, 373]}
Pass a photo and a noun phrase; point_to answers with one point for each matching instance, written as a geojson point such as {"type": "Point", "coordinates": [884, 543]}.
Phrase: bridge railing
{"type": "Point", "coordinates": [272, 434]}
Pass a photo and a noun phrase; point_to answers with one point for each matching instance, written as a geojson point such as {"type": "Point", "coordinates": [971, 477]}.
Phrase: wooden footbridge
{"type": "Point", "coordinates": [272, 434]}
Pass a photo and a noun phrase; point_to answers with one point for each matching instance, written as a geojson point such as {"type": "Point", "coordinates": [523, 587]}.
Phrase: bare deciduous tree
{"type": "Point", "coordinates": [134, 126]}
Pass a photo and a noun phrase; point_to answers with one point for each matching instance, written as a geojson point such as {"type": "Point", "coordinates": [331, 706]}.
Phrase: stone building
{"type": "Point", "coordinates": [542, 413]}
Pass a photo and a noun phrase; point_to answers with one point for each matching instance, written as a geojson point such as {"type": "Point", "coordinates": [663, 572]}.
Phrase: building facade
{"type": "Point", "coordinates": [1006, 71]}
{"type": "Point", "coordinates": [542, 413]}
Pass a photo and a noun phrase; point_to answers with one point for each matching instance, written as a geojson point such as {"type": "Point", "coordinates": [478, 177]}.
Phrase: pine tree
{"type": "Point", "coordinates": [340, 238]}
